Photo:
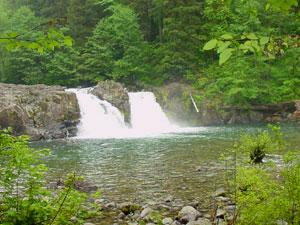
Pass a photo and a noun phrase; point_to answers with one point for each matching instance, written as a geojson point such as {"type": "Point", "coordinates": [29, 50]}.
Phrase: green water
{"type": "Point", "coordinates": [141, 169]}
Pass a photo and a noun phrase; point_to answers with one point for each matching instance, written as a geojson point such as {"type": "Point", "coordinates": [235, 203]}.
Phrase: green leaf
{"type": "Point", "coordinates": [4, 41]}
{"type": "Point", "coordinates": [50, 46]}
{"type": "Point", "coordinates": [225, 55]}
{"type": "Point", "coordinates": [210, 45]}
{"type": "Point", "coordinates": [226, 37]}
{"type": "Point", "coordinates": [223, 46]}
{"type": "Point", "coordinates": [268, 6]}
{"type": "Point", "coordinates": [264, 40]}
{"type": "Point", "coordinates": [252, 36]}
{"type": "Point", "coordinates": [255, 46]}
{"type": "Point", "coordinates": [10, 46]}
{"type": "Point", "coordinates": [40, 50]}
{"type": "Point", "coordinates": [68, 40]}
{"type": "Point", "coordinates": [14, 34]}
{"type": "Point", "coordinates": [34, 45]}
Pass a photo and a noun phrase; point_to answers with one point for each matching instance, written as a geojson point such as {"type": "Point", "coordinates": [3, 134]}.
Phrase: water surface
{"type": "Point", "coordinates": [184, 164]}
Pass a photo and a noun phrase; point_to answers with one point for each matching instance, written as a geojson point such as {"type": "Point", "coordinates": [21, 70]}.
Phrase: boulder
{"type": "Point", "coordinates": [40, 111]}
{"type": "Point", "coordinates": [188, 214]}
{"type": "Point", "coordinates": [116, 94]}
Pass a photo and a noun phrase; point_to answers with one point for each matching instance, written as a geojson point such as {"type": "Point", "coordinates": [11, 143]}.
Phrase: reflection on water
{"type": "Point", "coordinates": [151, 168]}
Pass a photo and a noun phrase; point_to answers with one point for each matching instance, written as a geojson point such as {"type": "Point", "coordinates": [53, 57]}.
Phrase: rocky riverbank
{"type": "Point", "coordinates": [40, 111]}
{"type": "Point", "coordinates": [169, 211]}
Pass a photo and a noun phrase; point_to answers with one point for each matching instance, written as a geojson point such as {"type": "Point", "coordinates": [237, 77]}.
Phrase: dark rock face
{"type": "Point", "coordinates": [40, 111]}
{"type": "Point", "coordinates": [175, 100]}
{"type": "Point", "coordinates": [116, 94]}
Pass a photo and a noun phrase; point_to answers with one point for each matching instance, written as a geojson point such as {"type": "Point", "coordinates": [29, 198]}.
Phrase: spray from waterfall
{"type": "Point", "coordinates": [100, 119]}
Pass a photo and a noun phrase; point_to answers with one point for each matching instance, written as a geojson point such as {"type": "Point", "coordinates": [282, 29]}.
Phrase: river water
{"type": "Point", "coordinates": [184, 164]}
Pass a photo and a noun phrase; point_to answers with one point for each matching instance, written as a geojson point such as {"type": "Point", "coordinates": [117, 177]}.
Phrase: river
{"type": "Point", "coordinates": [184, 164]}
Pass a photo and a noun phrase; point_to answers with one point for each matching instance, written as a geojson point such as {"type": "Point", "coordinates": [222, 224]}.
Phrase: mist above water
{"type": "Point", "coordinates": [100, 119]}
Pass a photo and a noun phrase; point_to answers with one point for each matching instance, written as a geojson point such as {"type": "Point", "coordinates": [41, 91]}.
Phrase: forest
{"type": "Point", "coordinates": [155, 42]}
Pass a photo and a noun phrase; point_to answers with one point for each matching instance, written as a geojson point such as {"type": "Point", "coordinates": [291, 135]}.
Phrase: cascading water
{"type": "Point", "coordinates": [99, 119]}
{"type": "Point", "coordinates": [147, 115]}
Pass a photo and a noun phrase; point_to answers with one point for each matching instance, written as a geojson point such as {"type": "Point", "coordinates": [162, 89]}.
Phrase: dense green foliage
{"type": "Point", "coordinates": [264, 193]}
{"type": "Point", "coordinates": [24, 196]}
{"type": "Point", "coordinates": [156, 42]}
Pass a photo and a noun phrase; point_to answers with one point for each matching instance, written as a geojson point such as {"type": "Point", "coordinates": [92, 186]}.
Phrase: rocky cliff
{"type": "Point", "coordinates": [176, 101]}
{"type": "Point", "coordinates": [40, 111]}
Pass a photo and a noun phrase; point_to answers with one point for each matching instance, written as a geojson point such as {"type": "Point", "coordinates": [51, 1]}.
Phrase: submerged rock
{"type": "Point", "coordinates": [40, 111]}
{"type": "Point", "coordinates": [128, 207]}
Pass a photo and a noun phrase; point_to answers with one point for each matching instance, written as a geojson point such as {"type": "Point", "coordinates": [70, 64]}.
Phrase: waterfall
{"type": "Point", "coordinates": [99, 119]}
{"type": "Point", "coordinates": [194, 103]}
{"type": "Point", "coordinates": [146, 113]}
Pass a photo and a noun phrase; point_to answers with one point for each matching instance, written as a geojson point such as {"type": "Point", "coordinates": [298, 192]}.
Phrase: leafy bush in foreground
{"type": "Point", "coordinates": [265, 193]}
{"type": "Point", "coordinates": [24, 198]}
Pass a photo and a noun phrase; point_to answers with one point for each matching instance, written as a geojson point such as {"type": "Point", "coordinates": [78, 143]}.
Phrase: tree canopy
{"type": "Point", "coordinates": [239, 52]}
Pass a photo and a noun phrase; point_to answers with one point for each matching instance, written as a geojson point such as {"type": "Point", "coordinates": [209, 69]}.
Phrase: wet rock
{"type": "Point", "coordinates": [220, 213]}
{"type": "Point", "coordinates": [194, 204]}
{"type": "Point", "coordinates": [167, 221]}
{"type": "Point", "coordinates": [176, 102]}
{"type": "Point", "coordinates": [128, 207]}
{"type": "Point", "coordinates": [169, 198]}
{"type": "Point", "coordinates": [39, 111]}
{"type": "Point", "coordinates": [230, 219]}
{"type": "Point", "coordinates": [223, 199]}
{"type": "Point", "coordinates": [153, 205]}
{"type": "Point", "coordinates": [111, 205]}
{"type": "Point", "coordinates": [201, 221]}
{"type": "Point", "coordinates": [88, 224]}
{"type": "Point", "coordinates": [145, 212]}
{"type": "Point", "coordinates": [220, 192]}
{"type": "Point", "coordinates": [188, 214]}
{"type": "Point", "coordinates": [116, 94]}
{"type": "Point", "coordinates": [121, 216]}
{"type": "Point", "coordinates": [99, 201]}
{"type": "Point", "coordinates": [230, 209]}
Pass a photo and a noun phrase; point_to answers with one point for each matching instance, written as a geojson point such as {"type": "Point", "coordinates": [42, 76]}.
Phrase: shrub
{"type": "Point", "coordinates": [256, 146]}
{"type": "Point", "coordinates": [265, 193]}
{"type": "Point", "coordinates": [263, 199]}
{"type": "Point", "coordinates": [24, 197]}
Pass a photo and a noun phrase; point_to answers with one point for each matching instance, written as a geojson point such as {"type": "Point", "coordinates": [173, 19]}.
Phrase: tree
{"type": "Point", "coordinates": [25, 66]}
{"type": "Point", "coordinates": [114, 49]}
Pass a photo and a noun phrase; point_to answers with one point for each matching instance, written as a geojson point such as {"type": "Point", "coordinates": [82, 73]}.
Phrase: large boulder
{"type": "Point", "coordinates": [40, 111]}
{"type": "Point", "coordinates": [116, 94]}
